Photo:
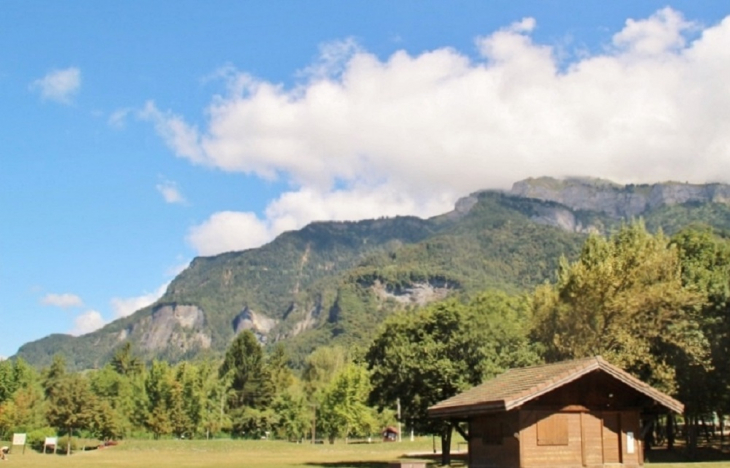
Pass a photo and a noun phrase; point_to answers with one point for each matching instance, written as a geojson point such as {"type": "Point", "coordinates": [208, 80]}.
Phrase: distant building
{"type": "Point", "coordinates": [581, 413]}
{"type": "Point", "coordinates": [390, 434]}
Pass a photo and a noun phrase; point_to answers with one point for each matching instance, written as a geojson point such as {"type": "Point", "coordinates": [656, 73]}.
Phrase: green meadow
{"type": "Point", "coordinates": [254, 454]}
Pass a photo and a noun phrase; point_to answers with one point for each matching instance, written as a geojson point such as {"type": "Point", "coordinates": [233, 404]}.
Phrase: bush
{"type": "Point", "coordinates": [37, 437]}
{"type": "Point", "coordinates": [78, 443]}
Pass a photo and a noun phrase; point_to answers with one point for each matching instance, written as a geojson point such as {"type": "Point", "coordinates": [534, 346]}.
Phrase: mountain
{"type": "Point", "coordinates": [334, 282]}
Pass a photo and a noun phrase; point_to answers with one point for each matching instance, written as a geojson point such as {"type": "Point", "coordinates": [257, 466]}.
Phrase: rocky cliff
{"type": "Point", "coordinates": [618, 201]}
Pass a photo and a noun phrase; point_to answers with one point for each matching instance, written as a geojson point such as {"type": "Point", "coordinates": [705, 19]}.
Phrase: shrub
{"type": "Point", "coordinates": [37, 437]}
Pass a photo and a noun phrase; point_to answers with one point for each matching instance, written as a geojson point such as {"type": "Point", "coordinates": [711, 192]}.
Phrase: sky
{"type": "Point", "coordinates": [135, 136]}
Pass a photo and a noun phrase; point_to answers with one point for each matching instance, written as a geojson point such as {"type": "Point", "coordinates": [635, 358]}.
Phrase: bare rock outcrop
{"type": "Point", "coordinates": [615, 200]}
{"type": "Point", "coordinates": [420, 293]}
{"type": "Point", "coordinates": [258, 323]}
{"type": "Point", "coordinates": [178, 326]}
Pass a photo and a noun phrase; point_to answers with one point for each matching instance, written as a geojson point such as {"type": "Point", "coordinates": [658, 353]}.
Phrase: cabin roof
{"type": "Point", "coordinates": [518, 386]}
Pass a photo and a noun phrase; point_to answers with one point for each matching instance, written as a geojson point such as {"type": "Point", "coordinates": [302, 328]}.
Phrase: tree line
{"type": "Point", "coordinates": [654, 305]}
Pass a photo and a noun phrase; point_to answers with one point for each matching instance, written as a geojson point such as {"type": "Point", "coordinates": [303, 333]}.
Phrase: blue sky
{"type": "Point", "coordinates": [138, 135]}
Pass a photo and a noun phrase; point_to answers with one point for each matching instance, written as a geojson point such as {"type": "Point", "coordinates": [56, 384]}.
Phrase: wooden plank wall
{"type": "Point", "coordinates": [595, 439]}
{"type": "Point", "coordinates": [484, 452]}
{"type": "Point", "coordinates": [534, 455]}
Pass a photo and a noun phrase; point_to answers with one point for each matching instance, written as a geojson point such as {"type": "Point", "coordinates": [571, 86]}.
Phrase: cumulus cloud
{"type": "Point", "coordinates": [59, 85]}
{"type": "Point", "coordinates": [409, 134]}
{"type": "Point", "coordinates": [87, 322]}
{"type": "Point", "coordinates": [170, 192]}
{"type": "Point", "coordinates": [124, 307]}
{"type": "Point", "coordinates": [64, 301]}
{"type": "Point", "coordinates": [230, 230]}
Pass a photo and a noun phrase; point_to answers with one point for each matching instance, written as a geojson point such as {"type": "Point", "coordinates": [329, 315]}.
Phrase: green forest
{"type": "Point", "coordinates": [655, 305]}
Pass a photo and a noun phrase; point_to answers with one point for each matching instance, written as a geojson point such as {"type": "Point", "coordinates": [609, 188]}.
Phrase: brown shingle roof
{"type": "Point", "coordinates": [518, 386]}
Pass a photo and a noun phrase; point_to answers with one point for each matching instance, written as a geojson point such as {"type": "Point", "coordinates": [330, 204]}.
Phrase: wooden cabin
{"type": "Point", "coordinates": [390, 434]}
{"type": "Point", "coordinates": [581, 413]}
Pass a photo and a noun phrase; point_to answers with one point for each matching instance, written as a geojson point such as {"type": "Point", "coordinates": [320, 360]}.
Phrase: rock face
{"type": "Point", "coordinates": [174, 325]}
{"type": "Point", "coordinates": [309, 321]}
{"type": "Point", "coordinates": [617, 201]}
{"type": "Point", "coordinates": [420, 293]}
{"type": "Point", "coordinates": [247, 319]}
{"type": "Point", "coordinates": [561, 217]}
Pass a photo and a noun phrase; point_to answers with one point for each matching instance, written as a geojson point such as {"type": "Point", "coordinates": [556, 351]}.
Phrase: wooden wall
{"type": "Point", "coordinates": [536, 452]}
{"type": "Point", "coordinates": [591, 439]}
{"type": "Point", "coordinates": [494, 441]}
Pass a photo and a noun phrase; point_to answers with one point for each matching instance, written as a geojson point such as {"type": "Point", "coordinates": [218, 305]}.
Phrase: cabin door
{"type": "Point", "coordinates": [611, 437]}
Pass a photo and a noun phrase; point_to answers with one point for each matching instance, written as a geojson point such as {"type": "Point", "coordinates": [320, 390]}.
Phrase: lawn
{"type": "Point", "coordinates": [250, 454]}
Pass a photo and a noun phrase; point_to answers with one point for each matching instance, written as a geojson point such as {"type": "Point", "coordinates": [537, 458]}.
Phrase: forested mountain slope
{"type": "Point", "coordinates": [334, 282]}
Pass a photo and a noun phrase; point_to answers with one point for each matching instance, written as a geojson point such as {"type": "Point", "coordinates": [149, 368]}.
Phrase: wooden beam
{"type": "Point", "coordinates": [462, 432]}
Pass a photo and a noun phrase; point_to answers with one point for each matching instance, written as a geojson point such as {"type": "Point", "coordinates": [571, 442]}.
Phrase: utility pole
{"type": "Point", "coordinates": [399, 423]}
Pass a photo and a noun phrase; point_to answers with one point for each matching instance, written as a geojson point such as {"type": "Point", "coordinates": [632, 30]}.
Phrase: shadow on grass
{"type": "Point", "coordinates": [433, 460]}
{"type": "Point", "coordinates": [351, 464]}
{"type": "Point", "coordinates": [680, 455]}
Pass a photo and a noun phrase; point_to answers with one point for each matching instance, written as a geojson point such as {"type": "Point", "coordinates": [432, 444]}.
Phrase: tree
{"type": "Point", "coordinates": [277, 363]}
{"type": "Point", "coordinates": [72, 406]}
{"type": "Point", "coordinates": [117, 393]}
{"type": "Point", "coordinates": [344, 410]}
{"type": "Point", "coordinates": [623, 299]}
{"type": "Point", "coordinates": [250, 385]}
{"type": "Point", "coordinates": [423, 358]}
{"type": "Point", "coordinates": [320, 367]}
{"type": "Point", "coordinates": [125, 363]}
{"type": "Point", "coordinates": [54, 374]}
{"type": "Point", "coordinates": [705, 260]}
{"type": "Point", "coordinates": [293, 419]}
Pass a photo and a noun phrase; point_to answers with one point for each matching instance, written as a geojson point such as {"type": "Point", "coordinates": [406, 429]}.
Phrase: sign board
{"type": "Point", "coordinates": [50, 442]}
{"type": "Point", "coordinates": [630, 442]}
{"type": "Point", "coordinates": [19, 439]}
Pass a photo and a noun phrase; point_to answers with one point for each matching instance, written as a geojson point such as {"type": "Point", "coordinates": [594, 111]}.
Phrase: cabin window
{"type": "Point", "coordinates": [492, 433]}
{"type": "Point", "coordinates": [553, 430]}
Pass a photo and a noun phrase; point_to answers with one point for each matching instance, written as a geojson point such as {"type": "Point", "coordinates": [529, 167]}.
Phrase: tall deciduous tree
{"type": "Point", "coordinates": [705, 259]}
{"type": "Point", "coordinates": [424, 358]}
{"type": "Point", "coordinates": [71, 406]}
{"type": "Point", "coordinates": [623, 299]}
{"type": "Point", "coordinates": [344, 410]}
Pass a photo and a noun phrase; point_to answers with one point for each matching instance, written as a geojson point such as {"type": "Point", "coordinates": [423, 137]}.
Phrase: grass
{"type": "Point", "coordinates": [228, 453]}
{"type": "Point", "coordinates": [263, 454]}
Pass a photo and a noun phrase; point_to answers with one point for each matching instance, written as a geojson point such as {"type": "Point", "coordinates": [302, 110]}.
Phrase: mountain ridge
{"type": "Point", "coordinates": [333, 282]}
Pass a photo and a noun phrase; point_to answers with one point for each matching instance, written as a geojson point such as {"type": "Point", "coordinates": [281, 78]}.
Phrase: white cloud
{"type": "Point", "coordinates": [228, 230]}
{"type": "Point", "coordinates": [177, 269]}
{"type": "Point", "coordinates": [118, 118]}
{"type": "Point", "coordinates": [661, 32]}
{"type": "Point", "coordinates": [170, 192]}
{"type": "Point", "coordinates": [62, 300]}
{"type": "Point", "coordinates": [408, 135]}
{"type": "Point", "coordinates": [332, 59]}
{"type": "Point", "coordinates": [87, 322]}
{"type": "Point", "coordinates": [123, 307]}
{"type": "Point", "coordinates": [59, 85]}
{"type": "Point", "coordinates": [173, 129]}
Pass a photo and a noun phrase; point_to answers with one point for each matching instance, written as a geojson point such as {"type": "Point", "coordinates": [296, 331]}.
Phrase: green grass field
{"type": "Point", "coordinates": [249, 454]}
